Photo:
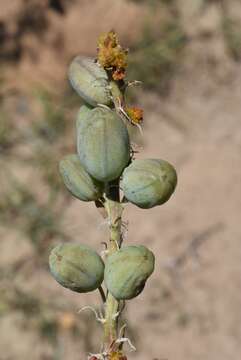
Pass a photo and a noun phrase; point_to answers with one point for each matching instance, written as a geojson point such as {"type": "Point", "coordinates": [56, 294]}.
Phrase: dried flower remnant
{"type": "Point", "coordinates": [135, 114]}
{"type": "Point", "coordinates": [111, 56]}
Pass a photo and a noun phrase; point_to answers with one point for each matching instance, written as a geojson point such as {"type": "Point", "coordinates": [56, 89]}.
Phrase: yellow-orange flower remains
{"type": "Point", "coordinates": [135, 114]}
{"type": "Point", "coordinates": [111, 56]}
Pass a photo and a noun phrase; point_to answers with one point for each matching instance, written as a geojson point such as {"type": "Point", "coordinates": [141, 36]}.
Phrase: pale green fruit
{"type": "Point", "coordinates": [149, 182]}
{"type": "Point", "coordinates": [76, 267]}
{"type": "Point", "coordinates": [77, 180]}
{"type": "Point", "coordinates": [127, 270]}
{"type": "Point", "coordinates": [90, 81]}
{"type": "Point", "coordinates": [102, 143]}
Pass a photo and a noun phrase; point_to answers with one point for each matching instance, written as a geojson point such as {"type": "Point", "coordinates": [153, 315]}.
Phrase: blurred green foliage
{"type": "Point", "coordinates": [52, 123]}
{"type": "Point", "coordinates": [157, 55]}
{"type": "Point", "coordinates": [38, 144]}
{"type": "Point", "coordinates": [7, 132]}
{"type": "Point", "coordinates": [232, 35]}
{"type": "Point", "coordinates": [48, 328]}
{"type": "Point", "coordinates": [41, 223]}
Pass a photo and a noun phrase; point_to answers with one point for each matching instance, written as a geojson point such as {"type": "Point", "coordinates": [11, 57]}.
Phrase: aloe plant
{"type": "Point", "coordinates": [104, 171]}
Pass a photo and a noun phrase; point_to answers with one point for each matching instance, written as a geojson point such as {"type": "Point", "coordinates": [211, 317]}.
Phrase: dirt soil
{"type": "Point", "coordinates": [190, 308]}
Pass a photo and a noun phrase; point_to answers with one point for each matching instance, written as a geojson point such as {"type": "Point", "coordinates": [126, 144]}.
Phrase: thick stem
{"type": "Point", "coordinates": [114, 210]}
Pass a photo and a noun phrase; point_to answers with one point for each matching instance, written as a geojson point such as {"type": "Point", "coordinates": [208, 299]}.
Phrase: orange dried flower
{"type": "Point", "coordinates": [135, 114]}
{"type": "Point", "coordinates": [118, 74]}
{"type": "Point", "coordinates": [111, 56]}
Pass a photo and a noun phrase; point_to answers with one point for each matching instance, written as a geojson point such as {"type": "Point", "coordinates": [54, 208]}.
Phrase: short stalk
{"type": "Point", "coordinates": [102, 294]}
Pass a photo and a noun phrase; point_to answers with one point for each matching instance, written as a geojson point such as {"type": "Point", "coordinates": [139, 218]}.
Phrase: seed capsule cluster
{"type": "Point", "coordinates": [104, 155]}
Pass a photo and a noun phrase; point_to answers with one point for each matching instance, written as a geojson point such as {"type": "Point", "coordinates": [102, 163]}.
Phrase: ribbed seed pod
{"type": "Point", "coordinates": [76, 267]}
{"type": "Point", "coordinates": [149, 182]}
{"type": "Point", "coordinates": [102, 143]}
{"type": "Point", "coordinates": [90, 81]}
{"type": "Point", "coordinates": [127, 270]}
{"type": "Point", "coordinates": [77, 180]}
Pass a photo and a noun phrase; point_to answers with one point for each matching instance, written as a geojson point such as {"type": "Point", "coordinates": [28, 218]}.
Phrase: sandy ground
{"type": "Point", "coordinates": [190, 308]}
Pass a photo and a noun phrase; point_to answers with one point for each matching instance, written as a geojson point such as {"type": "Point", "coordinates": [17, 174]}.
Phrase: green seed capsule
{"type": "Point", "coordinates": [77, 180]}
{"type": "Point", "coordinates": [149, 182]}
{"type": "Point", "coordinates": [90, 81]}
{"type": "Point", "coordinates": [102, 143]}
{"type": "Point", "coordinates": [127, 270]}
{"type": "Point", "coordinates": [76, 267]}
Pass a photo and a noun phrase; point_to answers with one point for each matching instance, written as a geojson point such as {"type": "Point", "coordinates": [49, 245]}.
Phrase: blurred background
{"type": "Point", "coordinates": [188, 55]}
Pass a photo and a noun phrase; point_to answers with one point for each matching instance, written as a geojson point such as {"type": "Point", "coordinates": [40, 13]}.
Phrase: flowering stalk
{"type": "Point", "coordinates": [114, 211]}
{"type": "Point", "coordinates": [104, 163]}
